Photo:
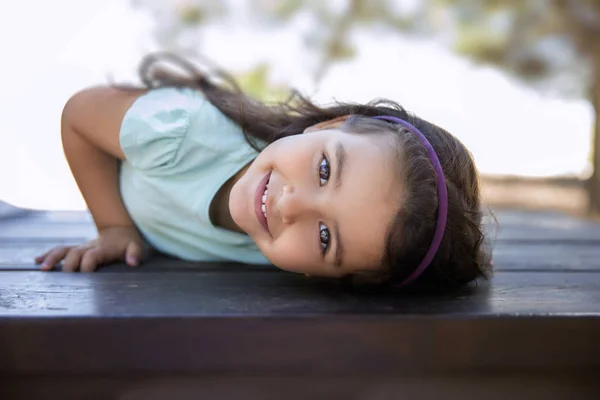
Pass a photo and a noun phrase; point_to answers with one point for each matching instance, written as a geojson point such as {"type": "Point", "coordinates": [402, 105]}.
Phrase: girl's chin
{"type": "Point", "coordinates": [236, 211]}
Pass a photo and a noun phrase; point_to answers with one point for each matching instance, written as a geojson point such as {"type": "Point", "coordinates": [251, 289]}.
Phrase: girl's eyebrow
{"type": "Point", "coordinates": [341, 157]}
{"type": "Point", "coordinates": [339, 247]}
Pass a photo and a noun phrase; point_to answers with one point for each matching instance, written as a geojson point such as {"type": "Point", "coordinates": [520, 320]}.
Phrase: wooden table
{"type": "Point", "coordinates": [214, 331]}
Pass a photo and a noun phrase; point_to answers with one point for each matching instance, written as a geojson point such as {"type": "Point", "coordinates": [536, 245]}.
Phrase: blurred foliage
{"type": "Point", "coordinates": [538, 40]}
{"type": "Point", "coordinates": [332, 41]}
{"type": "Point", "coordinates": [287, 9]}
{"type": "Point", "coordinates": [534, 39]}
{"type": "Point", "coordinates": [548, 43]}
{"type": "Point", "coordinates": [255, 82]}
{"type": "Point", "coordinates": [192, 15]}
{"type": "Point", "coordinates": [552, 45]}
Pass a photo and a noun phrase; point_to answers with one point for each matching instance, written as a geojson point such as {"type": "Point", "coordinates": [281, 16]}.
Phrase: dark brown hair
{"type": "Point", "coordinates": [462, 256]}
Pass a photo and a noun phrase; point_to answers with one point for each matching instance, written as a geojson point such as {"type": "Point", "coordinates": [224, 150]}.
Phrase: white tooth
{"type": "Point", "coordinates": [264, 208]}
{"type": "Point", "coordinates": [264, 198]}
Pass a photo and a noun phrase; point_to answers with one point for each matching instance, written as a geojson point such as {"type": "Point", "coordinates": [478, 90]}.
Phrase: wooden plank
{"type": "Point", "coordinates": [10, 211]}
{"type": "Point", "coordinates": [220, 292]}
{"type": "Point", "coordinates": [26, 228]}
{"type": "Point", "coordinates": [20, 255]}
{"type": "Point", "coordinates": [527, 240]}
{"type": "Point", "coordinates": [541, 312]}
{"type": "Point", "coordinates": [302, 386]}
{"type": "Point", "coordinates": [53, 216]}
{"type": "Point", "coordinates": [516, 225]}
{"type": "Point", "coordinates": [542, 256]}
{"type": "Point", "coordinates": [512, 226]}
{"type": "Point", "coordinates": [341, 344]}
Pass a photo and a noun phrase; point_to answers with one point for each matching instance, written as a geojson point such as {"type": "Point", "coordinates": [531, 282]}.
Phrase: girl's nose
{"type": "Point", "coordinates": [293, 204]}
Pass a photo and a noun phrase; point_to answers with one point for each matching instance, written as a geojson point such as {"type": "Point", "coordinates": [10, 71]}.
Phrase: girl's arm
{"type": "Point", "coordinates": [90, 127]}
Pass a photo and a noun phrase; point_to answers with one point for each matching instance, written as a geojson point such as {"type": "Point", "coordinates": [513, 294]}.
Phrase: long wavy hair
{"type": "Point", "coordinates": [463, 255]}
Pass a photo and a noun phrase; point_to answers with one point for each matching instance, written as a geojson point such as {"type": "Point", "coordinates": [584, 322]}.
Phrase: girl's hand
{"type": "Point", "coordinates": [112, 244]}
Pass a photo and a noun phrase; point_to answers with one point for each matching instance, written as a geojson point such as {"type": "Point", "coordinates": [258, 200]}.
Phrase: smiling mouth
{"type": "Point", "coordinates": [260, 201]}
{"type": "Point", "coordinates": [264, 200]}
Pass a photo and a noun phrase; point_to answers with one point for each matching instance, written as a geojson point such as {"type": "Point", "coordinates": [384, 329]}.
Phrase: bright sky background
{"type": "Point", "coordinates": [53, 48]}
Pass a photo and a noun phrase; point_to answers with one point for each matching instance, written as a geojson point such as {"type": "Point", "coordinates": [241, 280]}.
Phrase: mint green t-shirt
{"type": "Point", "coordinates": [179, 151]}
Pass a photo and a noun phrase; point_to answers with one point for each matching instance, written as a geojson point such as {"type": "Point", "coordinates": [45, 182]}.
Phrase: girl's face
{"type": "Point", "coordinates": [330, 198]}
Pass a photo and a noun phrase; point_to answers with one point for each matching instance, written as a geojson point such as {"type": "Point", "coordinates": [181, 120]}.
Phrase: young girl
{"type": "Point", "coordinates": [202, 172]}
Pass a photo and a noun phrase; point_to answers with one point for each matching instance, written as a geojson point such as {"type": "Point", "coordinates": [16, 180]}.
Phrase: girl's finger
{"type": "Point", "coordinates": [90, 261]}
{"type": "Point", "coordinates": [41, 257]}
{"type": "Point", "coordinates": [133, 254]}
{"type": "Point", "coordinates": [53, 257]}
{"type": "Point", "coordinates": [72, 259]}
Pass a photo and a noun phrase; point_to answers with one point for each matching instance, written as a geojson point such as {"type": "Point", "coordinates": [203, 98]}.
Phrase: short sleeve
{"type": "Point", "coordinates": [155, 126]}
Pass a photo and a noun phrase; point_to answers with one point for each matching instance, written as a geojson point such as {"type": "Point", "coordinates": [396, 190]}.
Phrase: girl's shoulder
{"type": "Point", "coordinates": [165, 126]}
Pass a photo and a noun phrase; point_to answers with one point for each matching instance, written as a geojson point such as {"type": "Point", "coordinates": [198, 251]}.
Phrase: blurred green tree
{"type": "Point", "coordinates": [336, 20]}
{"type": "Point", "coordinates": [550, 44]}
{"type": "Point", "coordinates": [331, 42]}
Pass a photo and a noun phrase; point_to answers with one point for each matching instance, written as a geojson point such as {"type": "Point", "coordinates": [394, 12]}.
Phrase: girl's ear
{"type": "Point", "coordinates": [329, 124]}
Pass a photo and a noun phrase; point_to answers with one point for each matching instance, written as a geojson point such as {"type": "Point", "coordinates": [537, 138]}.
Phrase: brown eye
{"type": "Point", "coordinates": [324, 171]}
{"type": "Point", "coordinates": [323, 238]}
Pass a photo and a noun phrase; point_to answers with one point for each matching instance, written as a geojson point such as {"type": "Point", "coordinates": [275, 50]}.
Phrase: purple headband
{"type": "Point", "coordinates": [442, 200]}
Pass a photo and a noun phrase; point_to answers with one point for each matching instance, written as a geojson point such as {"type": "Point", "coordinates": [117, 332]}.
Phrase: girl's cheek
{"type": "Point", "coordinates": [292, 255]}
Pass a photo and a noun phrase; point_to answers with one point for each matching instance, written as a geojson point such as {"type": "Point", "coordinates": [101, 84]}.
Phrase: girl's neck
{"type": "Point", "coordinates": [219, 206]}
